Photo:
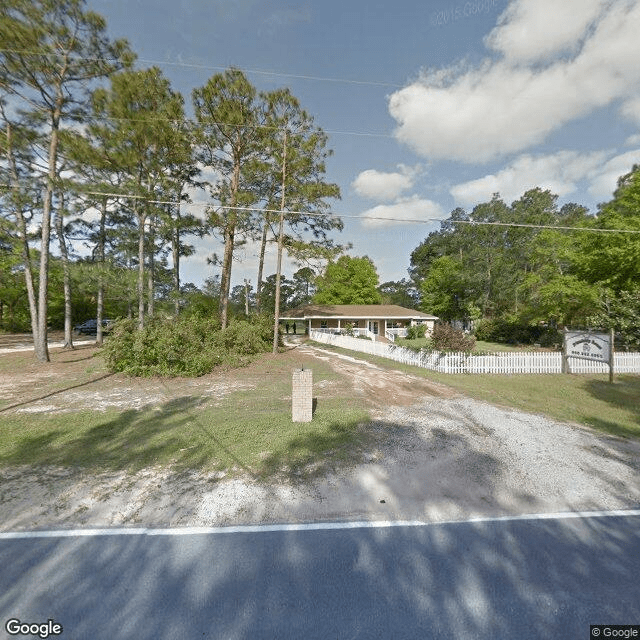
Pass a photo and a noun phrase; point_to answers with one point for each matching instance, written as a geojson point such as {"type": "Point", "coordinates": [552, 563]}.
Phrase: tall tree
{"type": "Point", "coordinates": [52, 52]}
{"type": "Point", "coordinates": [402, 293]}
{"type": "Point", "coordinates": [304, 287]}
{"type": "Point", "coordinates": [135, 126]}
{"type": "Point", "coordinates": [348, 281]}
{"type": "Point", "coordinates": [613, 259]}
{"type": "Point", "coordinates": [301, 188]}
{"type": "Point", "coordinates": [228, 117]}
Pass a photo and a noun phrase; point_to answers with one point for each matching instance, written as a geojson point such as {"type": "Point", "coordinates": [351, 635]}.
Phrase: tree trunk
{"type": "Point", "coordinates": [101, 243]}
{"type": "Point", "coordinates": [229, 241]}
{"type": "Point", "coordinates": [41, 344]}
{"type": "Point", "coordinates": [141, 223]}
{"type": "Point", "coordinates": [263, 247]}
{"type": "Point", "coordinates": [175, 247]}
{"type": "Point", "coordinates": [152, 264]}
{"type": "Point", "coordinates": [276, 321]}
{"type": "Point", "coordinates": [225, 283]}
{"type": "Point", "coordinates": [66, 277]}
{"type": "Point", "coordinates": [24, 242]}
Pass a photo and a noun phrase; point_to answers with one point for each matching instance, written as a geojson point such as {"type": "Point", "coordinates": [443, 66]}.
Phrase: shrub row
{"type": "Point", "coordinates": [513, 332]}
{"type": "Point", "coordinates": [184, 346]}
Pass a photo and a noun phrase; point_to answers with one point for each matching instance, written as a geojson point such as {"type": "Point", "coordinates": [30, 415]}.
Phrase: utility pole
{"type": "Point", "coordinates": [276, 321]}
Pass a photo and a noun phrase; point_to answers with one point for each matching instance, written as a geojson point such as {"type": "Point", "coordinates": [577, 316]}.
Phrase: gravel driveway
{"type": "Point", "coordinates": [449, 458]}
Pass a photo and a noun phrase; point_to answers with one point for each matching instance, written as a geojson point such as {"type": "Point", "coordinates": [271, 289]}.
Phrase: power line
{"type": "Point", "coordinates": [221, 68]}
{"type": "Point", "coordinates": [194, 125]}
{"type": "Point", "coordinates": [355, 217]}
{"type": "Point", "coordinates": [279, 74]}
{"type": "Point", "coordinates": [543, 226]}
{"type": "Point", "coordinates": [377, 218]}
{"type": "Point", "coordinates": [191, 65]}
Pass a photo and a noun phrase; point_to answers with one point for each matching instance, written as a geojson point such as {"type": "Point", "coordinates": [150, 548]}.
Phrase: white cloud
{"type": "Point", "coordinates": [559, 172]}
{"type": "Point", "coordinates": [402, 212]}
{"type": "Point", "coordinates": [605, 183]}
{"type": "Point", "coordinates": [506, 105]}
{"type": "Point", "coordinates": [532, 31]}
{"type": "Point", "coordinates": [631, 109]}
{"type": "Point", "coordinates": [633, 140]}
{"type": "Point", "coordinates": [382, 186]}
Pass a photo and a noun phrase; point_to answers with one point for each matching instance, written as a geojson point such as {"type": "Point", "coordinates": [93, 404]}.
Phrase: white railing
{"type": "Point", "coordinates": [392, 334]}
{"type": "Point", "coordinates": [504, 362]}
{"type": "Point", "coordinates": [341, 331]}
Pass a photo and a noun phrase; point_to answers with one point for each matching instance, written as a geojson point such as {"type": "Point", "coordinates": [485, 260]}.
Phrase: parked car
{"type": "Point", "coordinates": [90, 327]}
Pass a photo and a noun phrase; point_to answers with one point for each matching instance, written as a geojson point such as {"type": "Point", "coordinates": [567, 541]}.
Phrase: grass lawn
{"type": "Point", "coordinates": [249, 430]}
{"type": "Point", "coordinates": [585, 399]}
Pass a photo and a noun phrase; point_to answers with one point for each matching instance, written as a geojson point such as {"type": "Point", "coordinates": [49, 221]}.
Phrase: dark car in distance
{"type": "Point", "coordinates": [90, 327]}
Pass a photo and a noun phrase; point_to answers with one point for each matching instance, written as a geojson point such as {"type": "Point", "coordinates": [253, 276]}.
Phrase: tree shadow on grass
{"type": "Point", "coordinates": [131, 440]}
{"type": "Point", "coordinates": [58, 391]}
{"type": "Point", "coordinates": [624, 394]}
{"type": "Point", "coordinates": [316, 452]}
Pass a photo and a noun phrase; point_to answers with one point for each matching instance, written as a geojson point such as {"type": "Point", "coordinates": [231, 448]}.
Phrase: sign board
{"type": "Point", "coordinates": [587, 346]}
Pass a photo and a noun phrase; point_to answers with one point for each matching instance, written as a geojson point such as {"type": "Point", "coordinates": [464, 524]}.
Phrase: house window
{"type": "Point", "coordinates": [323, 324]}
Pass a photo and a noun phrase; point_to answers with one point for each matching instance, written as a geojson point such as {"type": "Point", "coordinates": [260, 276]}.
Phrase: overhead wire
{"type": "Point", "coordinates": [334, 214]}
{"type": "Point", "coordinates": [193, 65]}
{"type": "Point", "coordinates": [221, 68]}
{"type": "Point", "coordinates": [360, 217]}
{"type": "Point", "coordinates": [328, 131]}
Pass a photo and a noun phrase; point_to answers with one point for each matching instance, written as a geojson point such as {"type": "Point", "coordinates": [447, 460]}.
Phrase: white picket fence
{"type": "Point", "coordinates": [503, 362]}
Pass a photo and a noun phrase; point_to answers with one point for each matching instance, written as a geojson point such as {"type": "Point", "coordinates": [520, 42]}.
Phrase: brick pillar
{"type": "Point", "coordinates": [302, 395]}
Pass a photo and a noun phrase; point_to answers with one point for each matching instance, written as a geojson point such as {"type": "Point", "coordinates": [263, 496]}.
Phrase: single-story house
{"type": "Point", "coordinates": [371, 320]}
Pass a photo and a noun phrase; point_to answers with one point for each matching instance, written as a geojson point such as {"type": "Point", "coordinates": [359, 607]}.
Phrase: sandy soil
{"type": "Point", "coordinates": [449, 457]}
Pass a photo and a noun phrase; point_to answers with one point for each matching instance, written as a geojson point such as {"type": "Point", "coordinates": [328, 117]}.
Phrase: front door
{"type": "Point", "coordinates": [373, 327]}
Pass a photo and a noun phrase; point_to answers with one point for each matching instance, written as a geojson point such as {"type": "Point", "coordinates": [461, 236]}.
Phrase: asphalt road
{"type": "Point", "coordinates": [500, 579]}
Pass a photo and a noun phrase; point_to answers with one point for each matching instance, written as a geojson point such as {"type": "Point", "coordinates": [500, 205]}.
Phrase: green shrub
{"type": "Point", "coordinates": [184, 346]}
{"type": "Point", "coordinates": [446, 338]}
{"type": "Point", "coordinates": [515, 332]}
{"type": "Point", "coordinates": [416, 331]}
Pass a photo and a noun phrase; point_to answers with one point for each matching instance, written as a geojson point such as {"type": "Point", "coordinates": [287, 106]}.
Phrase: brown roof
{"type": "Point", "coordinates": [355, 311]}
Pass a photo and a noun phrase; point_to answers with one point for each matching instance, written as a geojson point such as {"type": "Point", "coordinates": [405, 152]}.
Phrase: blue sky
{"type": "Point", "coordinates": [428, 105]}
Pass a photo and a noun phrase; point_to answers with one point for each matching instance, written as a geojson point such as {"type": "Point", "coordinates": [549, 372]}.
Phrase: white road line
{"type": "Point", "coordinates": [312, 526]}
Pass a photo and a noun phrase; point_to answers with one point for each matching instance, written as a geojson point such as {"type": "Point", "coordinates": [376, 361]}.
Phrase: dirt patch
{"type": "Point", "coordinates": [78, 380]}
{"type": "Point", "coordinates": [382, 387]}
